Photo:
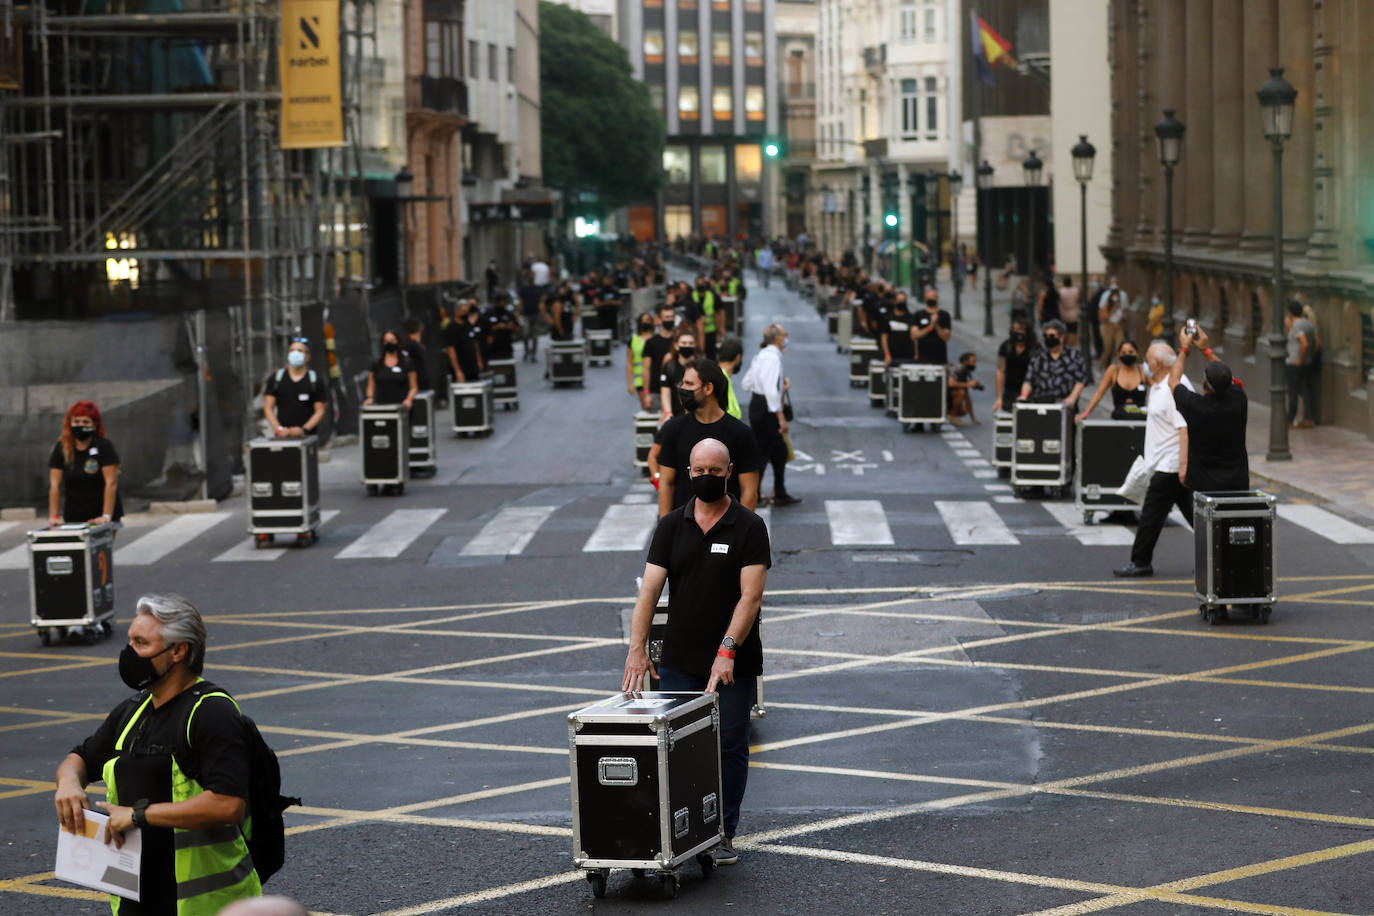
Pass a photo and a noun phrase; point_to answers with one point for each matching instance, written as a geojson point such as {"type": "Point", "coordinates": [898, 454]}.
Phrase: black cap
{"type": "Point", "coordinates": [1218, 377]}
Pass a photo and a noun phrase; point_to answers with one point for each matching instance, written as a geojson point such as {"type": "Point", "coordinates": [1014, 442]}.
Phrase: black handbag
{"type": "Point", "coordinates": [786, 407]}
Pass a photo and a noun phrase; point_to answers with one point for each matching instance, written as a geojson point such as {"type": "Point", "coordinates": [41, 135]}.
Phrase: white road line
{"type": "Point", "coordinates": [766, 513]}
{"type": "Point", "coordinates": [857, 521]}
{"type": "Point", "coordinates": [623, 527]}
{"type": "Point", "coordinates": [6, 526]}
{"type": "Point", "coordinates": [1068, 515]}
{"type": "Point", "coordinates": [887, 456]}
{"type": "Point", "coordinates": [392, 535]}
{"type": "Point", "coordinates": [15, 557]}
{"type": "Point", "coordinates": [997, 487]}
{"type": "Point", "coordinates": [248, 551]}
{"type": "Point", "coordinates": [165, 538]}
{"type": "Point", "coordinates": [1327, 524]}
{"type": "Point", "coordinates": [632, 498]}
{"type": "Point", "coordinates": [977, 463]}
{"type": "Point", "coordinates": [1005, 498]}
{"type": "Point", "coordinates": [974, 523]}
{"type": "Point", "coordinates": [968, 453]}
{"type": "Point", "coordinates": [508, 532]}
{"type": "Point", "coordinates": [983, 474]}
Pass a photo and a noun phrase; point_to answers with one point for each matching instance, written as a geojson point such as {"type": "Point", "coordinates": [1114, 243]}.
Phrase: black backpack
{"type": "Point", "coordinates": [267, 845]}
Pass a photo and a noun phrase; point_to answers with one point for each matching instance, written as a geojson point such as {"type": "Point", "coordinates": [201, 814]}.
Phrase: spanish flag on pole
{"type": "Point", "coordinates": [988, 49]}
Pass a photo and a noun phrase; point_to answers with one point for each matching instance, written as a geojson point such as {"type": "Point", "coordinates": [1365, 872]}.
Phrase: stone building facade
{"type": "Point", "coordinates": [1206, 59]}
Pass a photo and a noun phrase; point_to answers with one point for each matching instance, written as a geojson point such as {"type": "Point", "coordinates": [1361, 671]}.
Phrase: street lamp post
{"type": "Point", "coordinates": [1169, 132]}
{"type": "Point", "coordinates": [984, 175]}
{"type": "Point", "coordinates": [826, 204]}
{"type": "Point", "coordinates": [405, 185]}
{"type": "Point", "coordinates": [1276, 98]}
{"type": "Point", "coordinates": [1083, 153]}
{"type": "Point", "coordinates": [1030, 169]}
{"type": "Point", "coordinates": [912, 182]}
{"type": "Point", "coordinates": [956, 184]}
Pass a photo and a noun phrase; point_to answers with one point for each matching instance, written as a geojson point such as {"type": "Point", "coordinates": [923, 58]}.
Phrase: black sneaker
{"type": "Point", "coordinates": [725, 854]}
{"type": "Point", "coordinates": [786, 499]}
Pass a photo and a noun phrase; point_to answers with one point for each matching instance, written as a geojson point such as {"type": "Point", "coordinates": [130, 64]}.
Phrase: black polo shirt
{"type": "Point", "coordinates": [296, 399]}
{"type": "Point", "coordinates": [682, 433]}
{"type": "Point", "coordinates": [703, 583]}
{"type": "Point", "coordinates": [932, 348]}
{"type": "Point", "coordinates": [1217, 459]}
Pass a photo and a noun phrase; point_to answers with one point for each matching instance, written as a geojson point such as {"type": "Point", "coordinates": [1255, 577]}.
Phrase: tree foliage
{"type": "Point", "coordinates": [601, 132]}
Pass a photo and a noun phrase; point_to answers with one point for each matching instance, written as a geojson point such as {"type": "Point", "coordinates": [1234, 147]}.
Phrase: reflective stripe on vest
{"type": "Point", "coordinates": [637, 357]}
{"type": "Point", "coordinates": [708, 311]}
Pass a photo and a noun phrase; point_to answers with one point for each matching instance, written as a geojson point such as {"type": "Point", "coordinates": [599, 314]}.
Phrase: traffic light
{"type": "Point", "coordinates": [772, 148]}
{"type": "Point", "coordinates": [890, 220]}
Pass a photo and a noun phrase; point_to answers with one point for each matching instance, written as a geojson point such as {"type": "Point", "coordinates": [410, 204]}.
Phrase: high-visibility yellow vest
{"type": "Point", "coordinates": [637, 357]}
{"type": "Point", "coordinates": [732, 405]}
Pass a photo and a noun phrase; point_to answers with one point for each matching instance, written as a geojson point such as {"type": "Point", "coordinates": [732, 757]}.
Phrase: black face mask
{"type": "Point", "coordinates": [390, 346]}
{"type": "Point", "coordinates": [83, 432]}
{"type": "Point", "coordinates": [1051, 340]}
{"type": "Point", "coordinates": [1128, 359]}
{"type": "Point", "coordinates": [687, 397]}
{"type": "Point", "coordinates": [708, 488]}
{"type": "Point", "coordinates": [667, 324]}
{"type": "Point", "coordinates": [1018, 336]}
{"type": "Point", "coordinates": [686, 352]}
{"type": "Point", "coordinates": [138, 672]}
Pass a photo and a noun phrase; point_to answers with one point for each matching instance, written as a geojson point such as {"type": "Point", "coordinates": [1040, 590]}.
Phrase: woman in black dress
{"type": "Point", "coordinates": [1129, 384]}
{"type": "Point", "coordinates": [392, 379]}
{"type": "Point", "coordinates": [84, 468]}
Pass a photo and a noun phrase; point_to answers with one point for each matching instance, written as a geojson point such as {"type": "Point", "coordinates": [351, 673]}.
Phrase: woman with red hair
{"type": "Point", "coordinates": [86, 465]}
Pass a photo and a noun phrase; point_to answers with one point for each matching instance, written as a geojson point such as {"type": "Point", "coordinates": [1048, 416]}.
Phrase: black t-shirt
{"type": "Point", "coordinates": [217, 758]}
{"type": "Point", "coordinates": [681, 434]}
{"type": "Point", "coordinates": [459, 335]}
{"type": "Point", "coordinates": [1015, 366]}
{"type": "Point", "coordinates": [529, 300]}
{"type": "Point", "coordinates": [931, 348]}
{"type": "Point", "coordinates": [296, 398]}
{"type": "Point", "coordinates": [501, 325]}
{"type": "Point", "coordinates": [703, 585]}
{"type": "Point", "coordinates": [391, 384]}
{"type": "Point", "coordinates": [670, 378]}
{"type": "Point", "coordinates": [656, 349]}
{"type": "Point", "coordinates": [419, 363]}
{"type": "Point", "coordinates": [563, 310]}
{"type": "Point", "coordinates": [899, 342]}
{"type": "Point", "coordinates": [1217, 460]}
{"type": "Point", "coordinates": [83, 483]}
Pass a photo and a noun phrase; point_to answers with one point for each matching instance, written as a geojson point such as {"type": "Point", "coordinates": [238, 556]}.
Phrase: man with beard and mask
{"type": "Point", "coordinates": [294, 400]}
{"type": "Point", "coordinates": [714, 555]}
{"type": "Point", "coordinates": [656, 350]}
{"type": "Point", "coordinates": [195, 859]}
{"type": "Point", "coordinates": [1056, 373]}
{"type": "Point", "coordinates": [702, 391]}
{"type": "Point", "coordinates": [674, 365]}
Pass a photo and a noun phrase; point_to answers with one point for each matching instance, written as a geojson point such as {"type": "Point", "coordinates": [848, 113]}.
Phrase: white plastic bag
{"type": "Point", "coordinates": [1137, 481]}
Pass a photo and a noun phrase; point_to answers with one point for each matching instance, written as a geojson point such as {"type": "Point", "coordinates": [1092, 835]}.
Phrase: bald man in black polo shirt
{"type": "Point", "coordinates": [715, 554]}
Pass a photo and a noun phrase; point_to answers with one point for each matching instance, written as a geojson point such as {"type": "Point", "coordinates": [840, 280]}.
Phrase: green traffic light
{"type": "Point", "coordinates": [771, 150]}
{"type": "Point", "coordinates": [891, 220]}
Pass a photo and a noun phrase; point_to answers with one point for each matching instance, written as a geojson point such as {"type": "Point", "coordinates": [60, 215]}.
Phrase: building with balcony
{"type": "Point", "coordinates": [883, 126]}
{"type": "Point", "coordinates": [711, 70]}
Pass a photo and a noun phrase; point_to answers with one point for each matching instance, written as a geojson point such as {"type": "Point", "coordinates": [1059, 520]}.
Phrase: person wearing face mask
{"type": "Point", "coordinates": [1056, 373]}
{"type": "Point", "coordinates": [1013, 359]}
{"type": "Point", "coordinates": [767, 418]}
{"type": "Point", "coordinates": [658, 348]}
{"type": "Point", "coordinates": [684, 351]}
{"type": "Point", "coordinates": [1129, 383]}
{"type": "Point", "coordinates": [84, 467]}
{"type": "Point", "coordinates": [392, 379]}
{"type": "Point", "coordinates": [714, 554]}
{"type": "Point", "coordinates": [1217, 459]}
{"type": "Point", "coordinates": [634, 359]}
{"type": "Point", "coordinates": [195, 860]}
{"type": "Point", "coordinates": [932, 329]}
{"type": "Point", "coordinates": [702, 390]}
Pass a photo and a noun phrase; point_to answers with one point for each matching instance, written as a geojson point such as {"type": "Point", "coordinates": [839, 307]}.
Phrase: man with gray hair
{"type": "Point", "coordinates": [1166, 454]}
{"type": "Point", "coordinates": [195, 858]}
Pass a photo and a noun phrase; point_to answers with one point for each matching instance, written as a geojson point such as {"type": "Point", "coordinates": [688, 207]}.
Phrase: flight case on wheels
{"type": "Point", "coordinates": [383, 429]}
{"type": "Point", "coordinates": [1106, 450]}
{"type": "Point", "coordinates": [284, 489]}
{"type": "Point", "coordinates": [646, 789]}
{"type": "Point", "coordinates": [599, 345]}
{"type": "Point", "coordinates": [472, 407]}
{"type": "Point", "coordinates": [923, 397]}
{"type": "Point", "coordinates": [503, 389]}
{"type": "Point", "coordinates": [1002, 442]}
{"type": "Point", "coordinates": [71, 582]}
{"type": "Point", "coordinates": [1235, 552]}
{"type": "Point", "coordinates": [567, 362]}
{"type": "Point", "coordinates": [423, 449]}
{"type": "Point", "coordinates": [877, 383]}
{"type": "Point", "coordinates": [646, 424]}
{"type": "Point", "coordinates": [1040, 454]}
{"type": "Point", "coordinates": [861, 350]}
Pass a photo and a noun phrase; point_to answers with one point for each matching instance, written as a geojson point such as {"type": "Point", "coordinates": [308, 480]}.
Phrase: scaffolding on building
{"type": "Point", "coordinates": [141, 170]}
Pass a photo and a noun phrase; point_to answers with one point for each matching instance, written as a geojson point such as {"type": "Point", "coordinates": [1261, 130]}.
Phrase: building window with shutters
{"type": "Point", "coordinates": [493, 64]}
{"type": "Point", "coordinates": [910, 110]}
{"type": "Point", "coordinates": [931, 29]}
{"type": "Point", "coordinates": [932, 108]}
{"type": "Point", "coordinates": [474, 70]}
{"type": "Point", "coordinates": [906, 21]}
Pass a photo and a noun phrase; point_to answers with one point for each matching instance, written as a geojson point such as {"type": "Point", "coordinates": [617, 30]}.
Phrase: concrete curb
{"type": "Point", "coordinates": [18, 514]}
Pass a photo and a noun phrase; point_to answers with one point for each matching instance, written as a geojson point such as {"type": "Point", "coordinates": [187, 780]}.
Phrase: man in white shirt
{"type": "Point", "coordinates": [766, 415]}
{"type": "Point", "coordinates": [540, 272]}
{"type": "Point", "coordinates": [1166, 452]}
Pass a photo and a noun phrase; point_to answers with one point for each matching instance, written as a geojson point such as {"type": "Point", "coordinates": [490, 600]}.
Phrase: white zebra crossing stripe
{"type": "Point", "coordinates": [623, 527]}
{"type": "Point", "coordinates": [508, 532]}
{"type": "Point", "coordinates": [163, 539]}
{"type": "Point", "coordinates": [629, 498]}
{"type": "Point", "coordinates": [766, 513]}
{"type": "Point", "coordinates": [1327, 524]}
{"type": "Point", "coordinates": [857, 522]}
{"type": "Point", "coordinates": [974, 523]}
{"type": "Point", "coordinates": [1068, 515]}
{"type": "Point", "coordinates": [249, 552]}
{"type": "Point", "coordinates": [15, 557]}
{"type": "Point", "coordinates": [392, 535]}
{"type": "Point", "coordinates": [6, 526]}
{"type": "Point", "coordinates": [968, 453]}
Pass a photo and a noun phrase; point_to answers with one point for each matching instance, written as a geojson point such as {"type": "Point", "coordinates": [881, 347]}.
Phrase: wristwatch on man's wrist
{"type": "Point", "coordinates": [729, 643]}
{"type": "Point", "coordinates": [140, 815]}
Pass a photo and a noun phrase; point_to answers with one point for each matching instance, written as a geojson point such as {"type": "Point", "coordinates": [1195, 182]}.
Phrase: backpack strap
{"type": "Point", "coordinates": [128, 726]}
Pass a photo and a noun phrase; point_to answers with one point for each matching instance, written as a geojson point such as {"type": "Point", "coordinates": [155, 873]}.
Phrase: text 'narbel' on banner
{"type": "Point", "coordinates": [311, 109]}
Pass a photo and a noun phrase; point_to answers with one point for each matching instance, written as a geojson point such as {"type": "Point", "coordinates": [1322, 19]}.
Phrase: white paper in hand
{"type": "Point", "coordinates": [85, 859]}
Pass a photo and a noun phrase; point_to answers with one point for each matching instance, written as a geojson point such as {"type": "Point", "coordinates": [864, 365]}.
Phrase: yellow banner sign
{"type": "Point", "coordinates": [311, 107]}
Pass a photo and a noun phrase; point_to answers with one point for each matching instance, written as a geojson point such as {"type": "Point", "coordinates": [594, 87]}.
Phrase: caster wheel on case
{"type": "Point", "coordinates": [372, 489]}
{"type": "Point", "coordinates": [45, 637]}
{"type": "Point", "coordinates": [1004, 473]}
{"type": "Point", "coordinates": [707, 863]}
{"type": "Point", "coordinates": [400, 489]}
{"type": "Point", "coordinates": [305, 539]}
{"type": "Point", "coordinates": [671, 885]}
{"type": "Point", "coordinates": [1018, 492]}
{"type": "Point", "coordinates": [638, 872]}
{"type": "Point", "coordinates": [598, 882]}
{"type": "Point", "coordinates": [108, 628]}
{"type": "Point", "coordinates": [1088, 518]}
{"type": "Point", "coordinates": [1262, 615]}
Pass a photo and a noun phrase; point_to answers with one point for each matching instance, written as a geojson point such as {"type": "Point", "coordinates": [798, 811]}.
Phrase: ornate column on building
{"type": "Point", "coordinates": [1145, 105]}
{"type": "Point", "coordinates": [1322, 245]}
{"type": "Point", "coordinates": [1197, 107]}
{"type": "Point", "coordinates": [1228, 98]}
{"type": "Point", "coordinates": [1259, 51]}
{"type": "Point", "coordinates": [1122, 61]}
{"type": "Point", "coordinates": [1295, 56]}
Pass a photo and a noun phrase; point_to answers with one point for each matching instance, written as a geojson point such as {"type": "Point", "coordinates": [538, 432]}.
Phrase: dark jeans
{"type": "Point", "coordinates": [1301, 384]}
{"type": "Point", "coordinates": [768, 435]}
{"type": "Point", "coordinates": [1165, 491]}
{"type": "Point", "coordinates": [736, 701]}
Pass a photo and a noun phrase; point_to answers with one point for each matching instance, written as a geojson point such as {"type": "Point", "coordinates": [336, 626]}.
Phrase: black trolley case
{"type": "Point", "coordinates": [284, 489]}
{"type": "Point", "coordinates": [1042, 453]}
{"type": "Point", "coordinates": [1106, 450]}
{"type": "Point", "coordinates": [71, 582]}
{"type": "Point", "coordinates": [1235, 552]}
{"type": "Point", "coordinates": [646, 787]}
{"type": "Point", "coordinates": [385, 434]}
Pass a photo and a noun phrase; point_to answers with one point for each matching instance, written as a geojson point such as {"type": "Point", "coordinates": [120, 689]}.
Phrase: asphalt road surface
{"type": "Point", "coordinates": [966, 713]}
